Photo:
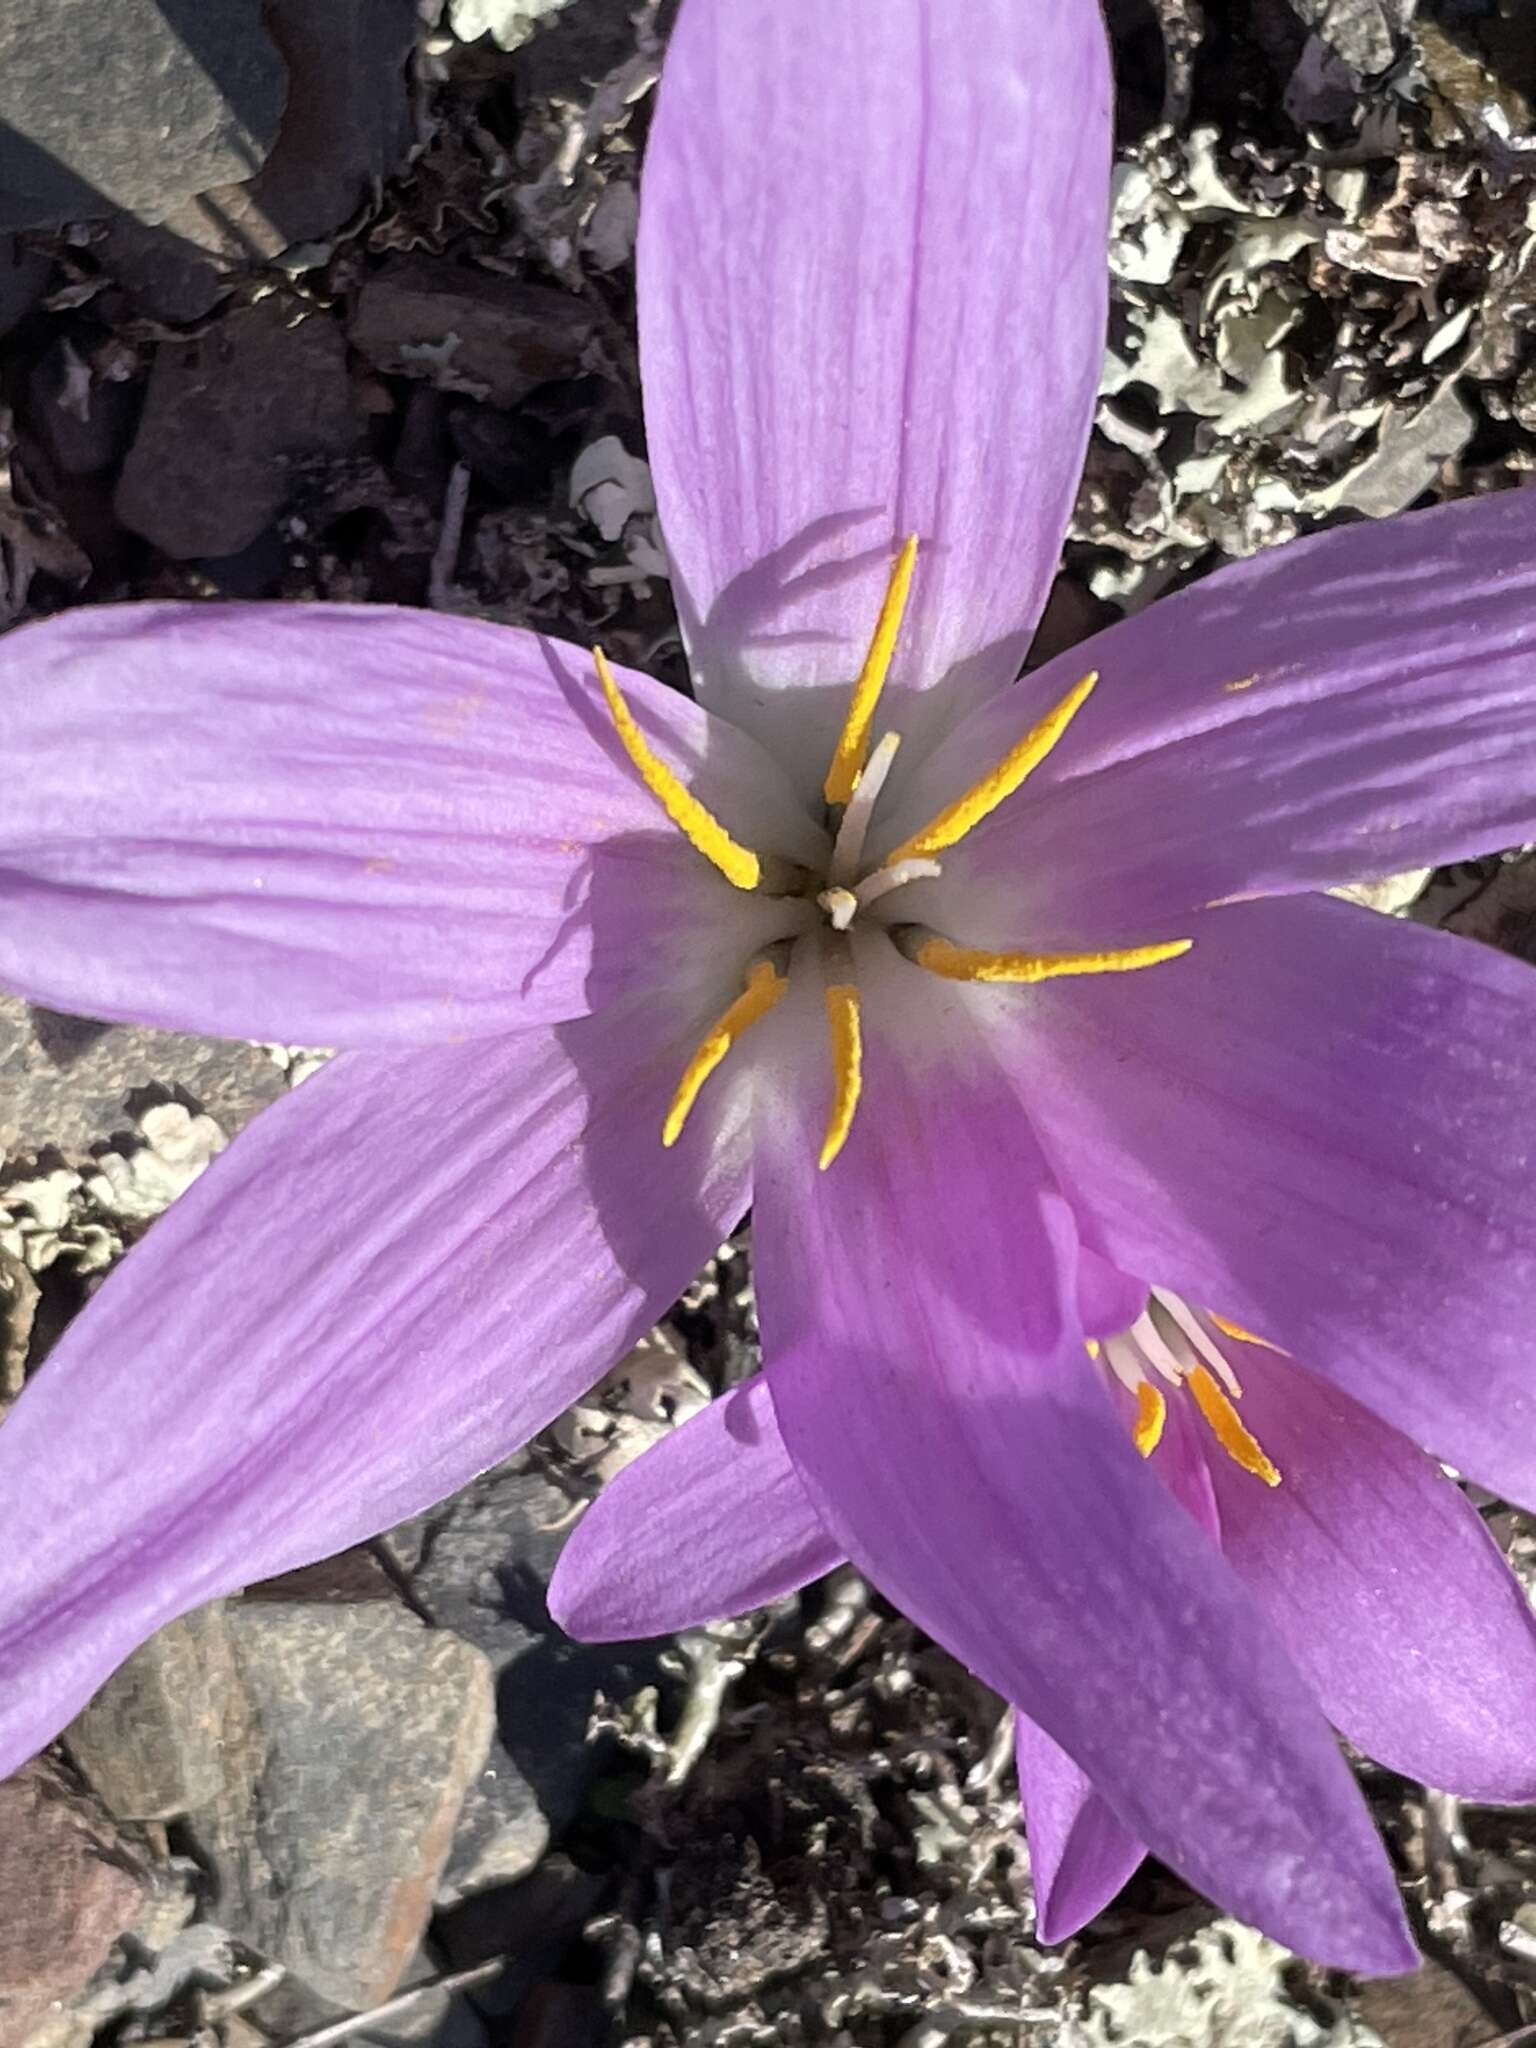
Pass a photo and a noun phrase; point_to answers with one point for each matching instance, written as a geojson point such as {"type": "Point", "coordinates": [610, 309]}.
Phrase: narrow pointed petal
{"type": "Point", "coordinates": [711, 1521]}
{"type": "Point", "coordinates": [1390, 1593]}
{"type": "Point", "coordinates": [1080, 1856]}
{"type": "Point", "coordinates": [388, 1282]}
{"type": "Point", "coordinates": [928, 1374]}
{"type": "Point", "coordinates": [1339, 708]}
{"type": "Point", "coordinates": [1316, 1133]}
{"type": "Point", "coordinates": [872, 295]}
{"type": "Point", "coordinates": [342, 825]}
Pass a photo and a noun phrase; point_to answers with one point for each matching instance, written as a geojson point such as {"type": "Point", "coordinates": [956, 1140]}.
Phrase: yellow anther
{"type": "Point", "coordinates": [764, 988]}
{"type": "Point", "coordinates": [847, 1067]}
{"type": "Point", "coordinates": [1092, 1346]}
{"type": "Point", "coordinates": [739, 864]}
{"type": "Point", "coordinates": [965, 963]}
{"type": "Point", "coordinates": [1151, 1414]}
{"type": "Point", "coordinates": [995, 787]}
{"type": "Point", "coordinates": [1227, 1428]}
{"type": "Point", "coordinates": [1243, 1336]}
{"type": "Point", "coordinates": [853, 742]}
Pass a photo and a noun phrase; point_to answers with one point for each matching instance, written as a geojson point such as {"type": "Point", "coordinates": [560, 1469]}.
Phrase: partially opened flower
{"type": "Point", "coordinates": [610, 964]}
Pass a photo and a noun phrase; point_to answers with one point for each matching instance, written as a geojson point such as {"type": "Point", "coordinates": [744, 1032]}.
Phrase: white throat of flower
{"type": "Point", "coordinates": [848, 891]}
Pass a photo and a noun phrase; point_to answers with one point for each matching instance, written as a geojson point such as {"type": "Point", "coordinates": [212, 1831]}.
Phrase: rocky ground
{"type": "Point", "coordinates": [360, 325]}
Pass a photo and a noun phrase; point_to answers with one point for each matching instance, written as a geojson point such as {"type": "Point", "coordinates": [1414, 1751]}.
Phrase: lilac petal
{"type": "Point", "coordinates": [1079, 1854]}
{"type": "Point", "coordinates": [1339, 708]}
{"type": "Point", "coordinates": [342, 825]}
{"type": "Point", "coordinates": [1384, 1584]}
{"type": "Point", "coordinates": [711, 1521]}
{"type": "Point", "coordinates": [934, 1393]}
{"type": "Point", "coordinates": [386, 1284]}
{"type": "Point", "coordinates": [1311, 1124]}
{"type": "Point", "coordinates": [1108, 1300]}
{"type": "Point", "coordinates": [872, 295]}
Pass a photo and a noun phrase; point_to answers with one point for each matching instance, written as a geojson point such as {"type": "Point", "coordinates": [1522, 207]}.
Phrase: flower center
{"type": "Point", "coordinates": [850, 889]}
{"type": "Point", "coordinates": [1171, 1345]}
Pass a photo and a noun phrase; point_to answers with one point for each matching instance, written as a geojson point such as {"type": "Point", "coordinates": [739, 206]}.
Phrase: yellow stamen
{"type": "Point", "coordinates": [853, 742]}
{"type": "Point", "coordinates": [739, 864]}
{"type": "Point", "coordinates": [1241, 1447]}
{"type": "Point", "coordinates": [1092, 1346]}
{"type": "Point", "coordinates": [1151, 1414]}
{"type": "Point", "coordinates": [765, 986]}
{"type": "Point", "coordinates": [965, 963]}
{"type": "Point", "coordinates": [847, 1067]}
{"type": "Point", "coordinates": [1243, 1336]}
{"type": "Point", "coordinates": [995, 787]}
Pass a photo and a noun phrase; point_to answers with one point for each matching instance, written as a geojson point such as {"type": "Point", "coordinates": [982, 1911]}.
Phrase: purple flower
{"type": "Point", "coordinates": [1049, 1008]}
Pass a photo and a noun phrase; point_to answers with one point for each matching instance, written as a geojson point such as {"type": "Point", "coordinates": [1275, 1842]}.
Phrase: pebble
{"type": "Point", "coordinates": [64, 1081]}
{"type": "Point", "coordinates": [350, 1738]}
{"type": "Point", "coordinates": [492, 337]}
{"type": "Point", "coordinates": [149, 1742]}
{"type": "Point", "coordinates": [346, 127]}
{"type": "Point", "coordinates": [68, 1889]}
{"type": "Point", "coordinates": [204, 477]}
{"type": "Point", "coordinates": [480, 1564]}
{"type": "Point", "coordinates": [132, 106]}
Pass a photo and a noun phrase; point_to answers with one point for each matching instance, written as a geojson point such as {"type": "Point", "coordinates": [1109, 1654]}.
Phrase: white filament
{"type": "Point", "coordinates": [848, 850]}
{"type": "Point", "coordinates": [884, 880]}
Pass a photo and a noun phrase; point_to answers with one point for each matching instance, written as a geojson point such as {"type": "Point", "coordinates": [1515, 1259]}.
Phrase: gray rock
{"type": "Point", "coordinates": [149, 1741]}
{"type": "Point", "coordinates": [64, 1081]}
{"type": "Point", "coordinates": [480, 1564]}
{"type": "Point", "coordinates": [469, 330]}
{"type": "Point", "coordinates": [205, 477]}
{"type": "Point", "coordinates": [346, 127]}
{"type": "Point", "coordinates": [349, 1742]}
{"type": "Point", "coordinates": [131, 106]}
{"type": "Point", "coordinates": [68, 1889]}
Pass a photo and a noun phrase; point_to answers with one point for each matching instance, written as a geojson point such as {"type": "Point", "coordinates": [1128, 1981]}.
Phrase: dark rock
{"type": "Point", "coordinates": [84, 419]}
{"type": "Point", "coordinates": [346, 127]}
{"type": "Point", "coordinates": [65, 1081]}
{"type": "Point", "coordinates": [205, 477]}
{"type": "Point", "coordinates": [563, 2016]}
{"type": "Point", "coordinates": [149, 1741]}
{"type": "Point", "coordinates": [480, 1564]}
{"type": "Point", "coordinates": [532, 1925]}
{"type": "Point", "coordinates": [68, 1889]}
{"type": "Point", "coordinates": [1430, 2009]}
{"type": "Point", "coordinates": [349, 1741]}
{"type": "Point", "coordinates": [23, 275]}
{"type": "Point", "coordinates": [474, 331]}
{"type": "Point", "coordinates": [131, 106]}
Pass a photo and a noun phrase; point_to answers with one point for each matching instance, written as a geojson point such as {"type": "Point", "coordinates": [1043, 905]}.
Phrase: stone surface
{"type": "Point", "coordinates": [65, 1081]}
{"type": "Point", "coordinates": [68, 1889]}
{"type": "Point", "coordinates": [346, 127]}
{"type": "Point", "coordinates": [130, 106]}
{"type": "Point", "coordinates": [206, 478]}
{"type": "Point", "coordinates": [1430, 2009]}
{"type": "Point", "coordinates": [469, 330]}
{"type": "Point", "coordinates": [348, 1744]}
{"type": "Point", "coordinates": [149, 1741]}
{"type": "Point", "coordinates": [480, 1564]}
